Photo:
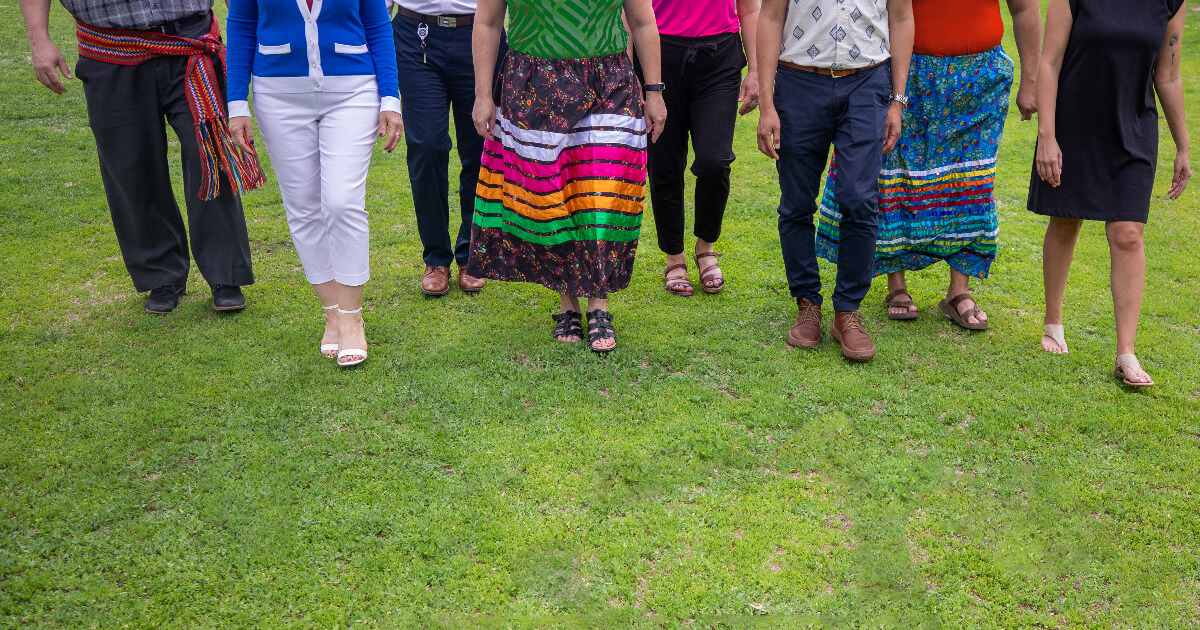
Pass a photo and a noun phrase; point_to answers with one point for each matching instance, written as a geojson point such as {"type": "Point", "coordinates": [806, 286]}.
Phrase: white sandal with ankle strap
{"type": "Point", "coordinates": [326, 348]}
{"type": "Point", "coordinates": [1056, 334]}
{"type": "Point", "coordinates": [351, 352]}
{"type": "Point", "coordinates": [1127, 364]}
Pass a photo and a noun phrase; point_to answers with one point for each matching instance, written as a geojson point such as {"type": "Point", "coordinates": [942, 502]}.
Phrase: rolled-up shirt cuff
{"type": "Point", "coordinates": [239, 108]}
{"type": "Point", "coordinates": [387, 104]}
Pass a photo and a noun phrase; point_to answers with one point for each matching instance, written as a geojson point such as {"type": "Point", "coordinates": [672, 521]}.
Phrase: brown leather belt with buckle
{"type": "Point", "coordinates": [444, 21]}
{"type": "Point", "coordinates": [827, 71]}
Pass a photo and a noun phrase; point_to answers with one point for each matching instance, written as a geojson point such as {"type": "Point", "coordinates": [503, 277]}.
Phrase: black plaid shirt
{"type": "Point", "coordinates": [138, 14]}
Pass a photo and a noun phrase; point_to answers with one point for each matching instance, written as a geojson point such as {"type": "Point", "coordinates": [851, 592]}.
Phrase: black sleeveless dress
{"type": "Point", "coordinates": [1106, 119]}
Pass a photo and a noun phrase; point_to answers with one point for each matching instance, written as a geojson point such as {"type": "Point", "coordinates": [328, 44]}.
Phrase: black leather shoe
{"type": "Point", "coordinates": [164, 299]}
{"type": "Point", "coordinates": [227, 298]}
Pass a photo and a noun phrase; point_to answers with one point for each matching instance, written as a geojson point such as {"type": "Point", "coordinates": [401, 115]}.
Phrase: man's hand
{"type": "Point", "coordinates": [891, 128]}
{"type": "Point", "coordinates": [748, 96]}
{"type": "Point", "coordinates": [48, 62]}
{"type": "Point", "coordinates": [241, 129]}
{"type": "Point", "coordinates": [391, 126]}
{"type": "Point", "coordinates": [768, 132]}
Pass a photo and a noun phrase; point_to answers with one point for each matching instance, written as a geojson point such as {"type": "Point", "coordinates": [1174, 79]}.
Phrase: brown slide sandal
{"type": "Point", "coordinates": [892, 302]}
{"type": "Point", "coordinates": [678, 285]}
{"type": "Point", "coordinates": [950, 308]}
{"type": "Point", "coordinates": [708, 275]}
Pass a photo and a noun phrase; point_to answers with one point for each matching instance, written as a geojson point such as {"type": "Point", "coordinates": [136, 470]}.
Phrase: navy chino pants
{"type": "Point", "coordinates": [433, 81]}
{"type": "Point", "coordinates": [816, 111]}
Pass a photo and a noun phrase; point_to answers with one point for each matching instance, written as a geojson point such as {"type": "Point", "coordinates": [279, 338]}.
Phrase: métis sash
{"type": "Point", "coordinates": [217, 150]}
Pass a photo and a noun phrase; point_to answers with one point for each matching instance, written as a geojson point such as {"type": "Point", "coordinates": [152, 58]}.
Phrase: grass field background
{"type": "Point", "coordinates": [210, 471]}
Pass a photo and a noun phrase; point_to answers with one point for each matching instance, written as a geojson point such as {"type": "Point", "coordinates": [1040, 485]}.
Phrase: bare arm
{"type": "Point", "coordinates": [1027, 30]}
{"type": "Point", "coordinates": [1168, 83]}
{"type": "Point", "coordinates": [1058, 31]}
{"type": "Point", "coordinates": [747, 11]}
{"type": "Point", "coordinates": [768, 36]}
{"type": "Point", "coordinates": [644, 31]}
{"type": "Point", "coordinates": [485, 46]}
{"type": "Point", "coordinates": [901, 31]}
{"type": "Point", "coordinates": [46, 57]}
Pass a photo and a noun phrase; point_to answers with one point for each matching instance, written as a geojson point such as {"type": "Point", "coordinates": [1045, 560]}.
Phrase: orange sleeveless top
{"type": "Point", "coordinates": [947, 28]}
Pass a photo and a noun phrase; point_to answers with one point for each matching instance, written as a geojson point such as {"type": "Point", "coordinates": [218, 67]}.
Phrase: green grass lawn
{"type": "Point", "coordinates": [213, 471]}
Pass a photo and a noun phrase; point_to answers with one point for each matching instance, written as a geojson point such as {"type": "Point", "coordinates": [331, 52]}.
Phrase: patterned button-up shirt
{"type": "Point", "coordinates": [836, 34]}
{"type": "Point", "coordinates": [136, 14]}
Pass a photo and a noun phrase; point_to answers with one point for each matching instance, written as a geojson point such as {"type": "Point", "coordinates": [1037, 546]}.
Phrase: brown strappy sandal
{"type": "Point", "coordinates": [678, 286]}
{"type": "Point", "coordinates": [891, 302]}
{"type": "Point", "coordinates": [707, 274]}
{"type": "Point", "coordinates": [950, 308]}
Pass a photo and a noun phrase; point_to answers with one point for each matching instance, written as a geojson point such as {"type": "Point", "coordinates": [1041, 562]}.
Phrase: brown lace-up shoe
{"type": "Point", "coordinates": [436, 281]}
{"type": "Point", "coordinates": [469, 283]}
{"type": "Point", "coordinates": [806, 332]}
{"type": "Point", "coordinates": [848, 330]}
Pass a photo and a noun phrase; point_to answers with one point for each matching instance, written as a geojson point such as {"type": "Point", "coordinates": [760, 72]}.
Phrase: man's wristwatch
{"type": "Point", "coordinates": [899, 98]}
{"type": "Point", "coordinates": [655, 87]}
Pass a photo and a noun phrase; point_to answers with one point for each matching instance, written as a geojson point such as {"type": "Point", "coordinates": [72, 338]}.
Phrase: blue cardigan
{"type": "Point", "coordinates": [271, 38]}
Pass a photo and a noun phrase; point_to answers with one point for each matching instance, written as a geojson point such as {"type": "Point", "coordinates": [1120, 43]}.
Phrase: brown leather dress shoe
{"type": "Point", "coordinates": [806, 332]}
{"type": "Point", "coordinates": [469, 283]}
{"type": "Point", "coordinates": [436, 281]}
{"type": "Point", "coordinates": [848, 330]}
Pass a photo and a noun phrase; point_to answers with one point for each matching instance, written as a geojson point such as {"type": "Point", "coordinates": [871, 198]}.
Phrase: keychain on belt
{"type": "Point", "coordinates": [423, 32]}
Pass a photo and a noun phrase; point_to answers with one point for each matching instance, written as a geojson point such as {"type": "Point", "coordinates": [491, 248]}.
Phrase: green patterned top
{"type": "Point", "coordinates": [566, 29]}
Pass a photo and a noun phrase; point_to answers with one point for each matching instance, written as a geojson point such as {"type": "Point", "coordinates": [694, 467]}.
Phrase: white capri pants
{"type": "Point", "coordinates": [320, 146]}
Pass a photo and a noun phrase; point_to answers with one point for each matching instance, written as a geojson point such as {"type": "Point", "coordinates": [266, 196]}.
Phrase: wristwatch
{"type": "Point", "coordinates": [655, 87]}
{"type": "Point", "coordinates": [899, 98]}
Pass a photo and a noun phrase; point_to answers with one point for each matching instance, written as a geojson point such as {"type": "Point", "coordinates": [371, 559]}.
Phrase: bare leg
{"type": "Point", "coordinates": [959, 284]}
{"type": "Point", "coordinates": [327, 292]}
{"type": "Point", "coordinates": [1128, 277]}
{"type": "Point", "coordinates": [350, 325]}
{"type": "Point", "coordinates": [602, 304]}
{"type": "Point", "coordinates": [1058, 249]}
{"type": "Point", "coordinates": [896, 282]}
{"type": "Point", "coordinates": [568, 303]}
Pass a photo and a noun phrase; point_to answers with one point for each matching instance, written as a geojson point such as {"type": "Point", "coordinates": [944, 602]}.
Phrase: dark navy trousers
{"type": "Point", "coordinates": [816, 111]}
{"type": "Point", "coordinates": [433, 82]}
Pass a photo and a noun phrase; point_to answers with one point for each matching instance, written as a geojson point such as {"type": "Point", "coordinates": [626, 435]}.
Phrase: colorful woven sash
{"type": "Point", "coordinates": [217, 150]}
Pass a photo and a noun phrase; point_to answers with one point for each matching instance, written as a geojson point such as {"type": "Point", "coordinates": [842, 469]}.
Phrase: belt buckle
{"type": "Point", "coordinates": [447, 21]}
{"type": "Point", "coordinates": [834, 73]}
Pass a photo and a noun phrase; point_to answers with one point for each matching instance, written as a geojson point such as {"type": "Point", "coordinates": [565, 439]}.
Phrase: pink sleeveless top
{"type": "Point", "coordinates": [696, 18]}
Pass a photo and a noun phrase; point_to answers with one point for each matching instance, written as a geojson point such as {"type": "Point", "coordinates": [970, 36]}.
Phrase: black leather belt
{"type": "Point", "coordinates": [444, 21]}
{"type": "Point", "coordinates": [183, 24]}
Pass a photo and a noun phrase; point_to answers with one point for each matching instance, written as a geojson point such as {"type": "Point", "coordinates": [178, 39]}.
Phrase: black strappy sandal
{"type": "Point", "coordinates": [569, 324]}
{"type": "Point", "coordinates": [600, 327]}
